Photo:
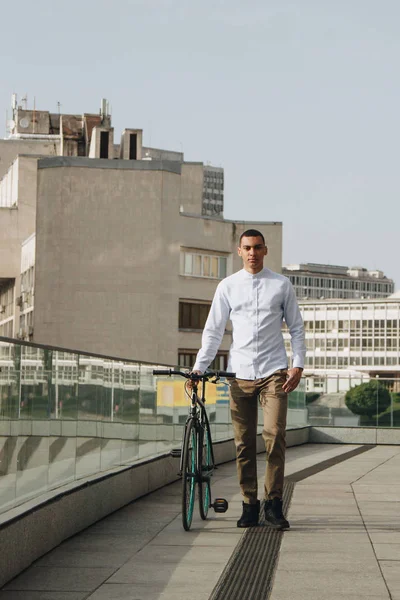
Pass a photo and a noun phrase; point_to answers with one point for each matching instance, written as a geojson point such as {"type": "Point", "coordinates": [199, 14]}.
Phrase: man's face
{"type": "Point", "coordinates": [252, 250]}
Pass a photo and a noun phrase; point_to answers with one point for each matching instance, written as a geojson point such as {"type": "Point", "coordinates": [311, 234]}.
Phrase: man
{"type": "Point", "coordinates": [257, 300]}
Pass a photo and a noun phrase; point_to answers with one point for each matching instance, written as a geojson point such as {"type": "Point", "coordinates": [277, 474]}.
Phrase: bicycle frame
{"type": "Point", "coordinates": [196, 402]}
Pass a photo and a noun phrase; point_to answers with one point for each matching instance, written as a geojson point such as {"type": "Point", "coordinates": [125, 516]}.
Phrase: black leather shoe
{"type": "Point", "coordinates": [250, 515]}
{"type": "Point", "coordinates": [274, 515]}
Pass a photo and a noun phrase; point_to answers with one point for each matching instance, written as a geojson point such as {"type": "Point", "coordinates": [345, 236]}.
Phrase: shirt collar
{"type": "Point", "coordinates": [259, 275]}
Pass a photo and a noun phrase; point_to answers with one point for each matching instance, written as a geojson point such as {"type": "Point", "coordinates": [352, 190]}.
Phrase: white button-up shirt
{"type": "Point", "coordinates": [256, 305]}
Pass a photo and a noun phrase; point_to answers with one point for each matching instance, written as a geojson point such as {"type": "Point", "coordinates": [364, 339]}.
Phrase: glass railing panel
{"type": "Point", "coordinates": [150, 402]}
{"type": "Point", "coordinates": [62, 453]}
{"type": "Point", "coordinates": [110, 449]}
{"type": "Point", "coordinates": [220, 420]}
{"type": "Point", "coordinates": [88, 451]}
{"type": "Point", "coordinates": [9, 392]}
{"type": "Point", "coordinates": [32, 461]}
{"type": "Point", "coordinates": [66, 416]}
{"type": "Point", "coordinates": [64, 390]}
{"type": "Point", "coordinates": [297, 415]}
{"type": "Point", "coordinates": [90, 400]}
{"type": "Point", "coordinates": [8, 466]}
{"type": "Point", "coordinates": [126, 392]}
{"type": "Point", "coordinates": [353, 401]}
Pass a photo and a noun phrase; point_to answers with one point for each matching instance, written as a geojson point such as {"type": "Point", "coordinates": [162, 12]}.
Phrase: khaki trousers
{"type": "Point", "coordinates": [245, 395]}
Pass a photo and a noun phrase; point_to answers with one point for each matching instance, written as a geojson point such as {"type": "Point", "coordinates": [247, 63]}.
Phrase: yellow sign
{"type": "Point", "coordinates": [171, 393]}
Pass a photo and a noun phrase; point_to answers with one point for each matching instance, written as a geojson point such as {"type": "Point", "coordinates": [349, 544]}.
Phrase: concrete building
{"type": "Point", "coordinates": [108, 249]}
{"type": "Point", "coordinates": [316, 281]}
{"type": "Point", "coordinates": [351, 339]}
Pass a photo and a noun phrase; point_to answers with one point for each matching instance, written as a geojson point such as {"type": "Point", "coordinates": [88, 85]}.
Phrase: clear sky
{"type": "Point", "coordinates": [299, 101]}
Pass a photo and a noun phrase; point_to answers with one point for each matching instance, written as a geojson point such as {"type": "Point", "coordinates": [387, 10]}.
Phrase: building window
{"type": "Point", "coordinates": [198, 264]}
{"type": "Point", "coordinates": [104, 138]}
{"type": "Point", "coordinates": [7, 328]}
{"type": "Point", "coordinates": [187, 358]}
{"type": "Point", "coordinates": [133, 146]}
{"type": "Point", "coordinates": [193, 315]}
{"type": "Point", "coordinates": [7, 300]}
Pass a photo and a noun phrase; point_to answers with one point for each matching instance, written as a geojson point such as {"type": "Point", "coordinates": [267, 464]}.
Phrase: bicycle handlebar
{"type": "Point", "coordinates": [194, 376]}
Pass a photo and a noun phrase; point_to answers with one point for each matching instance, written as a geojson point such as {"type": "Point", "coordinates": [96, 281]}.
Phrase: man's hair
{"type": "Point", "coordinates": [251, 233]}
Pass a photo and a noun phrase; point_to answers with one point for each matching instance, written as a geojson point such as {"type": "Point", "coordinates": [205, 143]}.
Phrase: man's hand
{"type": "Point", "coordinates": [190, 382]}
{"type": "Point", "coordinates": [293, 379]}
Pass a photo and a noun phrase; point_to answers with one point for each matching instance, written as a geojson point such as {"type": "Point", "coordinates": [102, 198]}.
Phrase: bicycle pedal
{"type": "Point", "coordinates": [176, 452]}
{"type": "Point", "coordinates": [220, 505]}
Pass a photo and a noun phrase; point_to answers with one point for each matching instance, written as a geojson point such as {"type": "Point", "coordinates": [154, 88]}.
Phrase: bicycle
{"type": "Point", "coordinates": [197, 461]}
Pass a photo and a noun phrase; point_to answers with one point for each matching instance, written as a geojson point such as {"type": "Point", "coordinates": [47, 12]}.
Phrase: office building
{"type": "Point", "coordinates": [316, 281]}
{"type": "Point", "coordinates": [351, 338]}
{"type": "Point", "coordinates": [111, 249]}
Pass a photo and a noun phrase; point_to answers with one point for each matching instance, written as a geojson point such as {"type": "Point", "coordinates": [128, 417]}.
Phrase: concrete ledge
{"type": "Point", "coordinates": [298, 436]}
{"type": "Point", "coordinates": [354, 435]}
{"type": "Point", "coordinates": [343, 435]}
{"type": "Point", "coordinates": [101, 163]}
{"type": "Point", "coordinates": [388, 436]}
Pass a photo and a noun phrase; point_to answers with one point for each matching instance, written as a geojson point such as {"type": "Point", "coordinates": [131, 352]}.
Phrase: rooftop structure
{"type": "Point", "coordinates": [111, 248]}
{"type": "Point", "coordinates": [318, 281]}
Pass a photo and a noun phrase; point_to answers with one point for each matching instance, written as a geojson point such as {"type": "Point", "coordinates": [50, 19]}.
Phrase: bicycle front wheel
{"type": "Point", "coordinates": [188, 475]}
{"type": "Point", "coordinates": [206, 467]}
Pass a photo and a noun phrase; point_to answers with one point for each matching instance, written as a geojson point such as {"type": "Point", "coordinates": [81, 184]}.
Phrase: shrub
{"type": "Point", "coordinates": [396, 397]}
{"type": "Point", "coordinates": [311, 397]}
{"type": "Point", "coordinates": [368, 399]}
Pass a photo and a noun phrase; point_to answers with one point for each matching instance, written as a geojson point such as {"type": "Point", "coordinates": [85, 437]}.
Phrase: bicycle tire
{"type": "Point", "coordinates": [188, 475]}
{"type": "Point", "coordinates": [205, 463]}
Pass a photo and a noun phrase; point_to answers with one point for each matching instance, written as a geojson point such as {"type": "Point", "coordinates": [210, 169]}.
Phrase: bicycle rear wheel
{"type": "Point", "coordinates": [206, 467]}
{"type": "Point", "coordinates": [188, 475]}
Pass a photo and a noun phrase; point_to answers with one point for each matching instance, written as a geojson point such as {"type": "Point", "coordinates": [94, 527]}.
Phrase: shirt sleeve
{"type": "Point", "coordinates": [213, 330]}
{"type": "Point", "coordinates": [294, 321]}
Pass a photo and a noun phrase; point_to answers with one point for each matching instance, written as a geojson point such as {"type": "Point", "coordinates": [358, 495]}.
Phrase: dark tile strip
{"type": "Point", "coordinates": [249, 572]}
{"type": "Point", "coordinates": [330, 462]}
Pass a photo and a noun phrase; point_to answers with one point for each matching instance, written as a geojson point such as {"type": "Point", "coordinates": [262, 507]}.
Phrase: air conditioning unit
{"type": "Point", "coordinates": [19, 301]}
{"type": "Point", "coordinates": [30, 330]}
{"type": "Point", "coordinates": [2, 308]}
{"type": "Point", "coordinates": [21, 334]}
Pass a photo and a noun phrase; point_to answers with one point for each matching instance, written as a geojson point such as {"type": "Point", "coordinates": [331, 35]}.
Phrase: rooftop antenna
{"type": "Point", "coordinates": [59, 107]}
{"type": "Point", "coordinates": [34, 114]}
{"type": "Point", "coordinates": [24, 101]}
{"type": "Point", "coordinates": [14, 102]}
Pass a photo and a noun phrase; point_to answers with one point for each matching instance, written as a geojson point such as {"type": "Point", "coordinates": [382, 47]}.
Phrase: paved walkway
{"type": "Point", "coordinates": [344, 541]}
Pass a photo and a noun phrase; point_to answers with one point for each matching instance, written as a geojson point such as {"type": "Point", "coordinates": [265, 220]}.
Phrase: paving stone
{"type": "Point", "coordinates": [350, 562]}
{"type": "Point", "coordinates": [10, 595]}
{"type": "Point", "coordinates": [184, 576]}
{"type": "Point", "coordinates": [78, 558]}
{"type": "Point", "coordinates": [327, 595]}
{"type": "Point", "coordinates": [198, 538]}
{"type": "Point", "coordinates": [296, 582]}
{"type": "Point", "coordinates": [60, 579]}
{"type": "Point", "coordinates": [391, 573]}
{"type": "Point", "coordinates": [381, 536]}
{"type": "Point", "coordinates": [381, 508]}
{"type": "Point", "coordinates": [125, 591]}
{"type": "Point", "coordinates": [387, 551]}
